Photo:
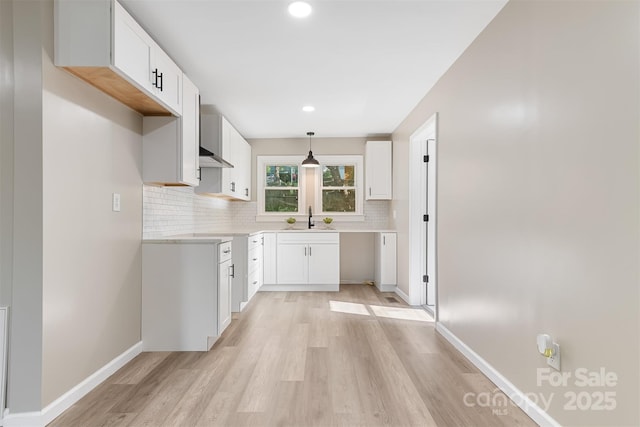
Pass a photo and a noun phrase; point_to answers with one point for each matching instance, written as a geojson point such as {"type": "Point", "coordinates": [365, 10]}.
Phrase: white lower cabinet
{"type": "Point", "coordinates": [308, 261]}
{"type": "Point", "coordinates": [186, 290]}
{"type": "Point", "coordinates": [385, 261]}
{"type": "Point", "coordinates": [269, 263]}
{"type": "Point", "coordinates": [226, 272]}
{"type": "Point", "coordinates": [247, 253]}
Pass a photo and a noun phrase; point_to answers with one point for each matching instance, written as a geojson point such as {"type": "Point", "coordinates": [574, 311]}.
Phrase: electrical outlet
{"type": "Point", "coordinates": [554, 359]}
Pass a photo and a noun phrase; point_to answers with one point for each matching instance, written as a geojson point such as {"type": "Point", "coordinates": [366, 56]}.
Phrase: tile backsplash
{"type": "Point", "coordinates": [178, 210]}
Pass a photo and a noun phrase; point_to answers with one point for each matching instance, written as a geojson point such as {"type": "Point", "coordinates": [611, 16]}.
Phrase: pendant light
{"type": "Point", "coordinates": [310, 162]}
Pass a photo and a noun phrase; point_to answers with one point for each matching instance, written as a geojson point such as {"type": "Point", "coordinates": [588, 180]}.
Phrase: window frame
{"type": "Point", "coordinates": [345, 160]}
{"type": "Point", "coordinates": [261, 163]}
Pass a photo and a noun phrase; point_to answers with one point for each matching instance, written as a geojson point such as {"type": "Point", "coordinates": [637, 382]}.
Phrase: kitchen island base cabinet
{"type": "Point", "coordinates": [186, 295]}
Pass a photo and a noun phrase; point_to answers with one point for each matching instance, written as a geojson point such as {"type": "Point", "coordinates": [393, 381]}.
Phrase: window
{"type": "Point", "coordinates": [286, 189]}
{"type": "Point", "coordinates": [280, 184]}
{"type": "Point", "coordinates": [339, 185]}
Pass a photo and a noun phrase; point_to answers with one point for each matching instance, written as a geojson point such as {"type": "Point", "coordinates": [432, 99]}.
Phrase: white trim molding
{"type": "Point", "coordinates": [64, 402]}
{"type": "Point", "coordinates": [402, 295]}
{"type": "Point", "coordinates": [519, 398]}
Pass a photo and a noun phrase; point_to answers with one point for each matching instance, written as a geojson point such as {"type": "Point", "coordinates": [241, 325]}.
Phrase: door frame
{"type": "Point", "coordinates": [423, 192]}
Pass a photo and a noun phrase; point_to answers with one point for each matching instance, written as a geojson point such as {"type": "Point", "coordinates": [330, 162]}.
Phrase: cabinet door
{"type": "Point", "coordinates": [378, 174]}
{"type": "Point", "coordinates": [224, 296]}
{"type": "Point", "coordinates": [388, 259]}
{"type": "Point", "coordinates": [324, 264]}
{"type": "Point", "coordinates": [269, 264]}
{"type": "Point", "coordinates": [228, 174]}
{"type": "Point", "coordinates": [243, 172]}
{"type": "Point", "coordinates": [292, 264]}
{"type": "Point", "coordinates": [166, 78]}
{"type": "Point", "coordinates": [132, 48]}
{"type": "Point", "coordinates": [190, 133]}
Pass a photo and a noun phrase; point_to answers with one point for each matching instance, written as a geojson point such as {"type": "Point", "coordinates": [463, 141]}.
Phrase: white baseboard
{"type": "Point", "coordinates": [64, 402]}
{"type": "Point", "coordinates": [529, 407]}
{"type": "Point", "coordinates": [300, 288]}
{"type": "Point", "coordinates": [386, 288]}
{"type": "Point", "coordinates": [402, 295]}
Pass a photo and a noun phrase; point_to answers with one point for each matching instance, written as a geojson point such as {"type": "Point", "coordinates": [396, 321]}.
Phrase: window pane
{"type": "Point", "coordinates": [281, 201]}
{"type": "Point", "coordinates": [282, 176]}
{"type": "Point", "coordinates": [338, 176]}
{"type": "Point", "coordinates": [338, 200]}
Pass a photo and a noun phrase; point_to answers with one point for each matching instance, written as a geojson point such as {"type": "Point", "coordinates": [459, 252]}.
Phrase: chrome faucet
{"type": "Point", "coordinates": [310, 218]}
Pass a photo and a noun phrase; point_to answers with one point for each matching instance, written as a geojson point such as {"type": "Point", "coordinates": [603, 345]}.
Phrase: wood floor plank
{"type": "Point", "coordinates": [289, 361]}
{"type": "Point", "coordinates": [257, 394]}
{"type": "Point", "coordinates": [295, 353]}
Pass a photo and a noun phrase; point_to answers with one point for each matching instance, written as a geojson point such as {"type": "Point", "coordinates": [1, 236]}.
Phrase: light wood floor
{"type": "Point", "coordinates": [288, 360]}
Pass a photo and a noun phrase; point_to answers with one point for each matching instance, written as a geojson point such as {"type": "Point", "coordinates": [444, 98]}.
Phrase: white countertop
{"type": "Point", "coordinates": [226, 235]}
{"type": "Point", "coordinates": [191, 237]}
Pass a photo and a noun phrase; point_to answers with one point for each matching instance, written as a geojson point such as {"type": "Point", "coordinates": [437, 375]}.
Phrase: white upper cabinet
{"type": "Point", "coordinates": [170, 145]}
{"type": "Point", "coordinates": [102, 44]}
{"type": "Point", "coordinates": [378, 173]}
{"type": "Point", "coordinates": [222, 139]}
{"type": "Point", "coordinates": [166, 79]}
{"type": "Point", "coordinates": [190, 120]}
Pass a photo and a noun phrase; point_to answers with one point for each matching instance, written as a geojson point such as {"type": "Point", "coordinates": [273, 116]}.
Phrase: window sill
{"type": "Point", "coordinates": [304, 218]}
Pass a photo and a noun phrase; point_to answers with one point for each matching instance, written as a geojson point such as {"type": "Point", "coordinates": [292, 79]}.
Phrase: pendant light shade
{"type": "Point", "coordinates": [310, 162]}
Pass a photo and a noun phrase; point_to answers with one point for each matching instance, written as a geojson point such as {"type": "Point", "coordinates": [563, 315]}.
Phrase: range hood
{"type": "Point", "coordinates": [211, 134]}
{"type": "Point", "coordinates": [212, 160]}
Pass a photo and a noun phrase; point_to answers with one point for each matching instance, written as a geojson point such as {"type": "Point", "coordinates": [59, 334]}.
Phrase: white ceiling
{"type": "Point", "coordinates": [363, 64]}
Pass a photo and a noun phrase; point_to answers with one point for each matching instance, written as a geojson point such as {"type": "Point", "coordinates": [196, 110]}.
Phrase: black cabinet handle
{"type": "Point", "coordinates": [157, 78]}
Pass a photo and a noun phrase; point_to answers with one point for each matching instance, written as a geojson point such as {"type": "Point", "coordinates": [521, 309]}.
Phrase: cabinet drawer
{"type": "Point", "coordinates": [224, 251]}
{"type": "Point", "coordinates": [254, 282]}
{"type": "Point", "coordinates": [254, 241]}
{"type": "Point", "coordinates": [254, 259]}
{"type": "Point", "coordinates": [309, 237]}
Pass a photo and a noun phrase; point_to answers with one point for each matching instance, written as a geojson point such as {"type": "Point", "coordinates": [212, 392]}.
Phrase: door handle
{"type": "Point", "coordinates": [305, 251]}
{"type": "Point", "coordinates": [233, 271]}
{"type": "Point", "coordinates": [309, 250]}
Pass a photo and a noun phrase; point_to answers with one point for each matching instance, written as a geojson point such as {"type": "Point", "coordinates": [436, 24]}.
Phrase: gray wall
{"type": "Point", "coordinates": [538, 185]}
{"type": "Point", "coordinates": [25, 349]}
{"type": "Point", "coordinates": [76, 283]}
{"type": "Point", "coordinates": [6, 150]}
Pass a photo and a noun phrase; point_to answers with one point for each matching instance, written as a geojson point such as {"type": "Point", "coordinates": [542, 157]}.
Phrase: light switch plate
{"type": "Point", "coordinates": [115, 202]}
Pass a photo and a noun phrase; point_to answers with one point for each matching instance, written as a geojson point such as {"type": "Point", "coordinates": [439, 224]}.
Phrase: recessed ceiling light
{"type": "Point", "coordinates": [308, 108]}
{"type": "Point", "coordinates": [300, 9]}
